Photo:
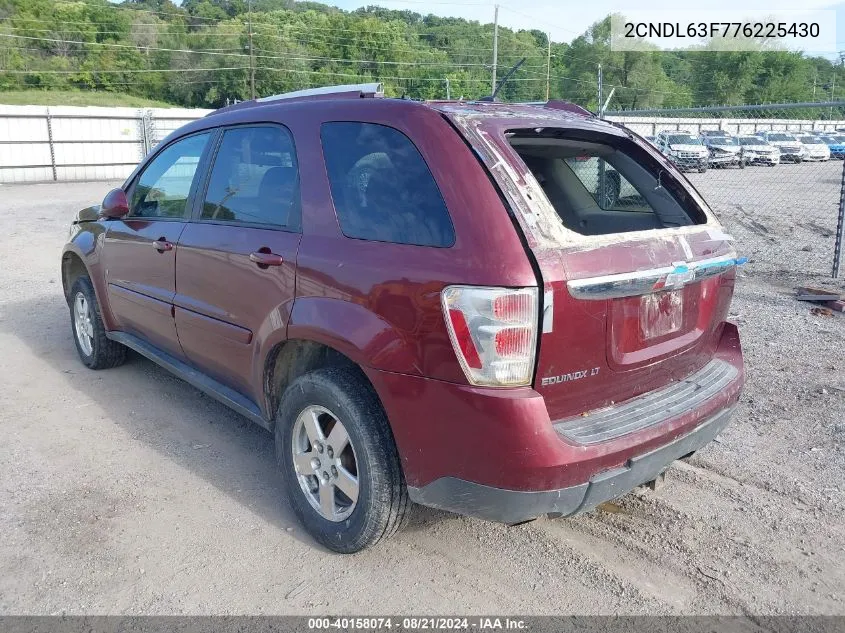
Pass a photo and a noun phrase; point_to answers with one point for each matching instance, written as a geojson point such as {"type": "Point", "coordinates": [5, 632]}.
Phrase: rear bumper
{"type": "Point", "coordinates": [454, 439]}
{"type": "Point", "coordinates": [515, 506]}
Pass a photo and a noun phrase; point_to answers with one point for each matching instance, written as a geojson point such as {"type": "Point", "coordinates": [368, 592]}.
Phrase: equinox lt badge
{"type": "Point", "coordinates": [575, 375]}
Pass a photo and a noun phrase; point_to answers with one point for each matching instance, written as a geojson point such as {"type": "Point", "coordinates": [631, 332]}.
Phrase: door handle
{"type": "Point", "coordinates": [265, 259]}
{"type": "Point", "coordinates": [162, 245]}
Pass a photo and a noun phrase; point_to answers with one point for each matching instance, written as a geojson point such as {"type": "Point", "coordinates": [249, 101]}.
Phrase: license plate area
{"type": "Point", "coordinates": [661, 313]}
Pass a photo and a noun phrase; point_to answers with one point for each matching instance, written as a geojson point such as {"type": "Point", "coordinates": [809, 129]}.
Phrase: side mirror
{"type": "Point", "coordinates": [115, 204]}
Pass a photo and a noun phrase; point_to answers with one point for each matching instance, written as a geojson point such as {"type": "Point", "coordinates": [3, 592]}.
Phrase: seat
{"type": "Point", "coordinates": [276, 194]}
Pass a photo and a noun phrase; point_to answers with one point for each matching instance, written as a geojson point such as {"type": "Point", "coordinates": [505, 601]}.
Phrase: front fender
{"type": "Point", "coordinates": [85, 243]}
{"type": "Point", "coordinates": [354, 331]}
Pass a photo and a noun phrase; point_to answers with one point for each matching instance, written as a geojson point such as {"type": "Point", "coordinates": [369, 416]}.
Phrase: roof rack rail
{"type": "Point", "coordinates": [359, 90]}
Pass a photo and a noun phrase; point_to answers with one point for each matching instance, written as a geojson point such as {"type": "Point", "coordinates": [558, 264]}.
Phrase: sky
{"type": "Point", "coordinates": [566, 19]}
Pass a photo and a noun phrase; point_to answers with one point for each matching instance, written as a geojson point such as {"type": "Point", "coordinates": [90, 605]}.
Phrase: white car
{"type": "Point", "coordinates": [724, 151]}
{"type": "Point", "coordinates": [684, 150]}
{"type": "Point", "coordinates": [791, 149]}
{"type": "Point", "coordinates": [756, 151]}
{"type": "Point", "coordinates": [814, 148]}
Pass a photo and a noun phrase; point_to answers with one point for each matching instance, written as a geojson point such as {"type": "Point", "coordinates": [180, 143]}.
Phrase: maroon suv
{"type": "Point", "coordinates": [505, 311]}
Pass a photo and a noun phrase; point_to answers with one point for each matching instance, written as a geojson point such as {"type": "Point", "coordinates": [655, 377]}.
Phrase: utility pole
{"type": "Point", "coordinates": [448, 90]}
{"type": "Point", "coordinates": [495, 46]}
{"type": "Point", "coordinates": [548, 63]}
{"type": "Point", "coordinates": [251, 56]}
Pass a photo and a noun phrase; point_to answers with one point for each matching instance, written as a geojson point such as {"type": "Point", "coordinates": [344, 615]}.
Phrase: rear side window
{"type": "Point", "coordinates": [382, 188]}
{"type": "Point", "coordinates": [254, 179]}
{"type": "Point", "coordinates": [599, 189]}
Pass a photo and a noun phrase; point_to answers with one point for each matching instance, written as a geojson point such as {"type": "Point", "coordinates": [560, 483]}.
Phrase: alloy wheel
{"type": "Point", "coordinates": [325, 463]}
{"type": "Point", "coordinates": [82, 324]}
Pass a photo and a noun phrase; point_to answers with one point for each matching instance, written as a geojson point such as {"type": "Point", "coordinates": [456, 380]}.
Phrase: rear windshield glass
{"type": "Point", "coordinates": [723, 140]}
{"type": "Point", "coordinates": [752, 140]}
{"type": "Point", "coordinates": [781, 137]}
{"type": "Point", "coordinates": [598, 189]}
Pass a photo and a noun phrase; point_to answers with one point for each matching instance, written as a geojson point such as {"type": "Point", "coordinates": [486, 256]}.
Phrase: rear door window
{"type": "Point", "coordinates": [255, 179]}
{"type": "Point", "coordinates": [382, 188]}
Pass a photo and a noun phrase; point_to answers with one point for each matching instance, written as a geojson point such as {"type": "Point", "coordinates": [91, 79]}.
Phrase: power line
{"type": "Point", "coordinates": [125, 70]}
{"type": "Point", "coordinates": [211, 52]}
{"type": "Point", "coordinates": [386, 78]}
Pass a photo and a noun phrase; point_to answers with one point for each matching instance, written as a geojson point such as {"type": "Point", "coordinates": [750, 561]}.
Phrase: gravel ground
{"type": "Point", "coordinates": [129, 492]}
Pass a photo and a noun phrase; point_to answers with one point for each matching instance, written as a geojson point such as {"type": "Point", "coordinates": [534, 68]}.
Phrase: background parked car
{"type": "Point", "coordinates": [683, 149]}
{"type": "Point", "coordinates": [814, 147]}
{"type": "Point", "coordinates": [835, 143]}
{"type": "Point", "coordinates": [758, 151]}
{"type": "Point", "coordinates": [790, 147]}
{"type": "Point", "coordinates": [724, 151]}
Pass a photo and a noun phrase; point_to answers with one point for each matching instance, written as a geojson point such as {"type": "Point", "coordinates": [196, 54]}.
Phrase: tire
{"type": "Point", "coordinates": [702, 169]}
{"type": "Point", "coordinates": [325, 396]}
{"type": "Point", "coordinates": [96, 350]}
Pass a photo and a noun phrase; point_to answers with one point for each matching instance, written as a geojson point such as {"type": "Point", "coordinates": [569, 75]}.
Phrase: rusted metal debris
{"type": "Point", "coordinates": [829, 300]}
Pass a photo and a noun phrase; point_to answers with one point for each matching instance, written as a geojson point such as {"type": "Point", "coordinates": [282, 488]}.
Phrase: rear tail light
{"type": "Point", "coordinates": [493, 332]}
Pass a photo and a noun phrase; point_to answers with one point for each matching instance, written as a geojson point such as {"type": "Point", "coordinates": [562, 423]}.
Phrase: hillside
{"type": "Point", "coordinates": [198, 55]}
{"type": "Point", "coordinates": [78, 98]}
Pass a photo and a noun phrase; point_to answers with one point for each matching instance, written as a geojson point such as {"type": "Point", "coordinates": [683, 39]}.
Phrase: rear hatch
{"type": "Point", "coordinates": [637, 274]}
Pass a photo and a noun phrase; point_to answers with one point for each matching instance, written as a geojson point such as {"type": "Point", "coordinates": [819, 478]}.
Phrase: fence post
{"type": "Point", "coordinates": [840, 229]}
{"type": "Point", "coordinates": [152, 135]}
{"type": "Point", "coordinates": [142, 134]}
{"type": "Point", "coordinates": [52, 147]}
{"type": "Point", "coordinates": [146, 131]}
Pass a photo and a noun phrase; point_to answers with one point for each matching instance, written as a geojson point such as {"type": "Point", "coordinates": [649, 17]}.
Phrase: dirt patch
{"type": "Point", "coordinates": [127, 491]}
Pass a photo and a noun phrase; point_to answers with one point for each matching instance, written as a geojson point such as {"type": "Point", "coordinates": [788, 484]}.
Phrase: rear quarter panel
{"type": "Point", "coordinates": [379, 302]}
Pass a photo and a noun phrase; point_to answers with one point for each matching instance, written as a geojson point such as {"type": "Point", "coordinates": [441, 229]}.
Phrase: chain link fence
{"type": "Point", "coordinates": [773, 174]}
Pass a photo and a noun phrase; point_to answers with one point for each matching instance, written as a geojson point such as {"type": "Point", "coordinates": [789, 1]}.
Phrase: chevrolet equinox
{"type": "Point", "coordinates": [505, 311]}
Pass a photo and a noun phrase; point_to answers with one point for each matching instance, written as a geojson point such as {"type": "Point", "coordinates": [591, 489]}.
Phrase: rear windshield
{"type": "Point", "coordinates": [599, 189]}
{"type": "Point", "coordinates": [781, 137]}
{"type": "Point", "coordinates": [752, 140]}
{"type": "Point", "coordinates": [723, 140]}
{"type": "Point", "coordinates": [810, 140]}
